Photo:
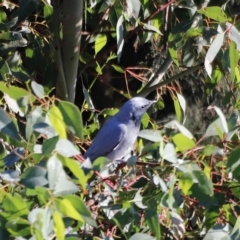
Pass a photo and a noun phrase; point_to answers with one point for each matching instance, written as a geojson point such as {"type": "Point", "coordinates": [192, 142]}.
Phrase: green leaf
{"type": "Point", "coordinates": [57, 121]}
{"type": "Point", "coordinates": [203, 182]}
{"type": "Point", "coordinates": [145, 120]}
{"type": "Point", "coordinates": [15, 205]}
{"type": "Point", "coordinates": [118, 68]}
{"type": "Point", "coordinates": [152, 219]}
{"type": "Point", "coordinates": [151, 28]}
{"type": "Point", "coordinates": [43, 195]}
{"type": "Point", "coordinates": [182, 142]}
{"type": "Point", "coordinates": [174, 55]}
{"type": "Point", "coordinates": [67, 209]}
{"type": "Point", "coordinates": [49, 145]}
{"type": "Point", "coordinates": [15, 92]}
{"type": "Point", "coordinates": [100, 42]}
{"type": "Point", "coordinates": [209, 149]}
{"type": "Point", "coordinates": [76, 170]}
{"type": "Point", "coordinates": [82, 209]}
{"type": "Point", "coordinates": [120, 36]}
{"type": "Point", "coordinates": [7, 126]}
{"type": "Point", "coordinates": [233, 57]}
{"type": "Point", "coordinates": [215, 13]}
{"type": "Point", "coordinates": [186, 182]}
{"type": "Point", "coordinates": [233, 163]}
{"type": "Point", "coordinates": [177, 108]}
{"type": "Point", "coordinates": [18, 227]}
{"type": "Point", "coordinates": [72, 118]}
{"type": "Point", "coordinates": [59, 227]}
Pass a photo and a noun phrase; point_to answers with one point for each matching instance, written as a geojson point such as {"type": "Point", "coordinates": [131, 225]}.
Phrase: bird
{"type": "Point", "coordinates": [117, 136]}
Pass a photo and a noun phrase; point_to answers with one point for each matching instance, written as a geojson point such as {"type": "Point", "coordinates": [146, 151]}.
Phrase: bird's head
{"type": "Point", "coordinates": [134, 109]}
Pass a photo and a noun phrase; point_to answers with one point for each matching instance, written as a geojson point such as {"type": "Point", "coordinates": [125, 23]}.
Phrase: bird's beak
{"type": "Point", "coordinates": [153, 101]}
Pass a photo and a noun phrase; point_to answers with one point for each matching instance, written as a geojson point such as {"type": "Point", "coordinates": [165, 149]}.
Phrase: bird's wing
{"type": "Point", "coordinates": [107, 139]}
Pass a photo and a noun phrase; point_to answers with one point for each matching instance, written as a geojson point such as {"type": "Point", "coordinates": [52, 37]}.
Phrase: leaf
{"type": "Point", "coordinates": [72, 118]}
{"type": "Point", "coordinates": [215, 13]}
{"type": "Point", "coordinates": [145, 120]}
{"type": "Point", "coordinates": [57, 122]}
{"type": "Point", "coordinates": [151, 135]}
{"type": "Point", "coordinates": [219, 126]}
{"type": "Point", "coordinates": [43, 195]}
{"type": "Point", "coordinates": [8, 25]}
{"type": "Point", "coordinates": [133, 8]}
{"type": "Point", "coordinates": [118, 68]}
{"type": "Point", "coordinates": [177, 108]}
{"type": "Point", "coordinates": [178, 227]}
{"type": "Point", "coordinates": [151, 28]}
{"type": "Point", "coordinates": [120, 37]}
{"type": "Point", "coordinates": [182, 142]}
{"type": "Point", "coordinates": [215, 129]}
{"type": "Point", "coordinates": [75, 169]}
{"type": "Point", "coordinates": [233, 163]}
{"type": "Point", "coordinates": [142, 236]}
{"type": "Point", "coordinates": [41, 219]}
{"type": "Point", "coordinates": [18, 227]}
{"type": "Point", "coordinates": [152, 219]}
{"type": "Point", "coordinates": [34, 117]}
{"type": "Point", "coordinates": [49, 145]}
{"type": "Point", "coordinates": [100, 42]}
{"type": "Point", "coordinates": [185, 182]}
{"type": "Point", "coordinates": [44, 129]}
{"type": "Point", "coordinates": [13, 157]}
{"type": "Point", "coordinates": [174, 55]}
{"type": "Point", "coordinates": [66, 148]}
{"type": "Point", "coordinates": [82, 209]}
{"type": "Point", "coordinates": [182, 102]}
{"type": "Point", "coordinates": [203, 182]}
{"type": "Point", "coordinates": [233, 57]}
{"type": "Point", "coordinates": [37, 89]}
{"type": "Point", "coordinates": [213, 51]}
{"type": "Point", "coordinates": [66, 208]}
{"type": "Point", "coordinates": [15, 92]}
{"type": "Point", "coordinates": [15, 206]}
{"type": "Point", "coordinates": [34, 176]}
{"type": "Point", "coordinates": [233, 34]}
{"type": "Point", "coordinates": [219, 231]}
{"type": "Point", "coordinates": [169, 153]}
{"type": "Point", "coordinates": [177, 126]}
{"type": "Point", "coordinates": [7, 126]}
{"type": "Point", "coordinates": [138, 200]}
{"type": "Point", "coordinates": [58, 179]}
{"type": "Point", "coordinates": [13, 105]}
{"type": "Point", "coordinates": [59, 227]}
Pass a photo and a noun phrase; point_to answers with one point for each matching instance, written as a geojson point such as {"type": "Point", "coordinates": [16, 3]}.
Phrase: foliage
{"type": "Point", "coordinates": [184, 184]}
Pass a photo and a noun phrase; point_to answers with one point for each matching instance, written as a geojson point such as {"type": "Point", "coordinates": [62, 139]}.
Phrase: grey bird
{"type": "Point", "coordinates": [117, 136]}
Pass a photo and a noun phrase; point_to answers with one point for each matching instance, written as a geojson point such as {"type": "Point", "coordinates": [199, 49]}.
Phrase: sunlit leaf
{"type": "Point", "coordinates": [120, 37]}
{"type": "Point", "coordinates": [215, 13]}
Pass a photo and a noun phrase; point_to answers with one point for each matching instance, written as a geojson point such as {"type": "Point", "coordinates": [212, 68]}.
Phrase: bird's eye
{"type": "Point", "coordinates": [143, 106]}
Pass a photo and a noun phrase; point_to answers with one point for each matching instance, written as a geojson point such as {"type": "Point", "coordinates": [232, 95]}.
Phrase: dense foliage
{"type": "Point", "coordinates": [183, 177]}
